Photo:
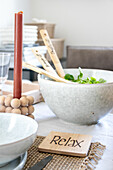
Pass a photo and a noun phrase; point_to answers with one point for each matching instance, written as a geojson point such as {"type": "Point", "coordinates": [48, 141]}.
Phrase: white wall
{"type": "Point", "coordinates": [80, 22]}
{"type": "Point", "coordinates": [9, 7]}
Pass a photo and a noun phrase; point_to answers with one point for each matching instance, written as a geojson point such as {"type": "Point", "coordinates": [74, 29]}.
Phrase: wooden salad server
{"type": "Point", "coordinates": [43, 61]}
{"type": "Point", "coordinates": [52, 52]}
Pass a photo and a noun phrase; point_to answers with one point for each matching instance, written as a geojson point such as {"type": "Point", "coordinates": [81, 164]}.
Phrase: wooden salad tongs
{"type": "Point", "coordinates": [46, 73]}
{"type": "Point", "coordinates": [49, 71]}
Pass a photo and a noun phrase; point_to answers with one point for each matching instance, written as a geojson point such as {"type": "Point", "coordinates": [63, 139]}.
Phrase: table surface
{"type": "Point", "coordinates": [101, 132]}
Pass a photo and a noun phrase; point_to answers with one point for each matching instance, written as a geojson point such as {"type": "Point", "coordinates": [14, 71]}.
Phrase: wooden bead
{"type": "Point", "coordinates": [2, 108]}
{"type": "Point", "coordinates": [2, 99]}
{"type": "Point", "coordinates": [30, 99]}
{"type": "Point", "coordinates": [32, 116]}
{"type": "Point", "coordinates": [24, 110]}
{"type": "Point", "coordinates": [24, 101]}
{"type": "Point", "coordinates": [8, 109]}
{"type": "Point", "coordinates": [18, 111]}
{"type": "Point", "coordinates": [30, 109]}
{"type": "Point", "coordinates": [15, 103]}
{"type": "Point", "coordinates": [8, 101]}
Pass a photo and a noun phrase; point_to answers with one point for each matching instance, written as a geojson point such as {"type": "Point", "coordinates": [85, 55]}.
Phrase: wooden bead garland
{"type": "Point", "coordinates": [20, 106]}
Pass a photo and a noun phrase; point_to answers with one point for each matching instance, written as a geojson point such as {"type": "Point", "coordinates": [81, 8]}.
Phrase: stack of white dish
{"type": "Point", "coordinates": [30, 58]}
{"type": "Point", "coordinates": [29, 34]}
{"type": "Point", "coordinates": [29, 41]}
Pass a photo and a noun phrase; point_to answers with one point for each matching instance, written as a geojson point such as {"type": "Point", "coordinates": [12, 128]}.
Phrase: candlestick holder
{"type": "Point", "coordinates": [23, 106]}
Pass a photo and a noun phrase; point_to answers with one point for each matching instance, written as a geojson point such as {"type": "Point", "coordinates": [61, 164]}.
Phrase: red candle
{"type": "Point", "coordinates": [18, 45]}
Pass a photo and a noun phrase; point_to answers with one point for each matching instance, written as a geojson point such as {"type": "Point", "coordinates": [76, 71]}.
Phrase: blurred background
{"type": "Point", "coordinates": [81, 31]}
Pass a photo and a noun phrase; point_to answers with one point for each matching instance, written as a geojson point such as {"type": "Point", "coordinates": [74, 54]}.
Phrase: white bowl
{"type": "Point", "coordinates": [17, 133]}
{"type": "Point", "coordinates": [79, 103]}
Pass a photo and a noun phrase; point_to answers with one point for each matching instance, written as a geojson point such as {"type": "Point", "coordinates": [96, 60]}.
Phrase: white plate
{"type": "Point", "coordinates": [16, 164]}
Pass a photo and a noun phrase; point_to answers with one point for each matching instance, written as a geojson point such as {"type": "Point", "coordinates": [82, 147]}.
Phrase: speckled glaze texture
{"type": "Point", "coordinates": [79, 103]}
{"type": "Point", "coordinates": [17, 133]}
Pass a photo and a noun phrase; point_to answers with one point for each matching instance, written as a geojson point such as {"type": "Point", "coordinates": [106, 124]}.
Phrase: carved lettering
{"type": "Point", "coordinates": [78, 143]}
{"type": "Point", "coordinates": [72, 144]}
{"type": "Point", "coordinates": [51, 48]}
{"type": "Point", "coordinates": [61, 140]}
{"type": "Point", "coordinates": [66, 142]}
{"type": "Point", "coordinates": [47, 40]}
{"type": "Point", "coordinates": [39, 55]}
{"type": "Point", "coordinates": [56, 138]}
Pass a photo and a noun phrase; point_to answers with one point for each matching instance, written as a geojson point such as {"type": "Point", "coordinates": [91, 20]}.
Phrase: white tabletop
{"type": "Point", "coordinates": [101, 132]}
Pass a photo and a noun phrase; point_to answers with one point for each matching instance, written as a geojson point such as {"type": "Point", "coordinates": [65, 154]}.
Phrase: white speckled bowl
{"type": "Point", "coordinates": [79, 103]}
{"type": "Point", "coordinates": [17, 133]}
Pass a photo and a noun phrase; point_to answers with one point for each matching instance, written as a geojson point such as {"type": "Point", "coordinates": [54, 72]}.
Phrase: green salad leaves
{"type": "Point", "coordinates": [80, 79]}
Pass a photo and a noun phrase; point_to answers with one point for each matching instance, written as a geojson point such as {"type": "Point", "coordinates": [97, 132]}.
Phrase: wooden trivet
{"type": "Point", "coordinates": [66, 144]}
{"type": "Point", "coordinates": [61, 162]}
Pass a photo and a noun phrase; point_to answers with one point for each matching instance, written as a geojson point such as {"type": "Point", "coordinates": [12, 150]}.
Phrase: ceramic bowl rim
{"type": "Point", "coordinates": [77, 84]}
{"type": "Point", "coordinates": [17, 141]}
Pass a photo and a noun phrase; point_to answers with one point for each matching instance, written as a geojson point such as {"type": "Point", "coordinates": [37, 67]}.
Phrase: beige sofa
{"type": "Point", "coordinates": [90, 57]}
